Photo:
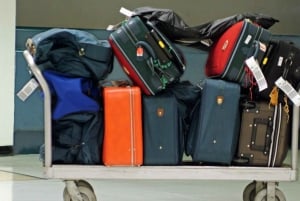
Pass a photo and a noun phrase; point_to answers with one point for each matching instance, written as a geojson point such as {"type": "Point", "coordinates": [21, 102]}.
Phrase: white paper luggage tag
{"type": "Point", "coordinates": [289, 90]}
{"type": "Point", "coordinates": [123, 11]}
{"type": "Point", "coordinates": [126, 12]}
{"type": "Point", "coordinates": [28, 89]}
{"type": "Point", "coordinates": [257, 73]}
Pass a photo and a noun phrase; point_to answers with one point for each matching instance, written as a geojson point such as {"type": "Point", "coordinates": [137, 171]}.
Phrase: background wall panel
{"type": "Point", "coordinates": [99, 14]}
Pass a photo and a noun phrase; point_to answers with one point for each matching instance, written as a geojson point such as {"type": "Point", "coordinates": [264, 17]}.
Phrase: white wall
{"type": "Point", "coordinates": [7, 70]}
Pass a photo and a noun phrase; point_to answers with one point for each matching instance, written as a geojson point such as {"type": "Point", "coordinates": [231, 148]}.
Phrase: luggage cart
{"type": "Point", "coordinates": [263, 184]}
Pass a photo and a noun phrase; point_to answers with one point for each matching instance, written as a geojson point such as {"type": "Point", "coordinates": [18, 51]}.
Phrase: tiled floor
{"type": "Point", "coordinates": [21, 179]}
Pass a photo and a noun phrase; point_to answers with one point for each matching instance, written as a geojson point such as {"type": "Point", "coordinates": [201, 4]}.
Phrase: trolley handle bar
{"type": "Point", "coordinates": [47, 105]}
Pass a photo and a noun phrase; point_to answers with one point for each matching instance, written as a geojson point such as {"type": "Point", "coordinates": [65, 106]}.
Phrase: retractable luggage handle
{"type": "Point", "coordinates": [269, 123]}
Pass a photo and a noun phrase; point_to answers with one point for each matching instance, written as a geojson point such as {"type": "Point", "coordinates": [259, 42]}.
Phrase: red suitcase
{"type": "Point", "coordinates": [228, 54]}
{"type": "Point", "coordinates": [123, 141]}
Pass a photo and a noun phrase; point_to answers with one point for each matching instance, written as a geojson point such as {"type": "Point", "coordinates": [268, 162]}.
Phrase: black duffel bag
{"type": "Point", "coordinates": [72, 52]}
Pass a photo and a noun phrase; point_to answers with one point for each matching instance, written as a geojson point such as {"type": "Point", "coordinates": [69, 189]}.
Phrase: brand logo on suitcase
{"type": "Point", "coordinates": [160, 112]}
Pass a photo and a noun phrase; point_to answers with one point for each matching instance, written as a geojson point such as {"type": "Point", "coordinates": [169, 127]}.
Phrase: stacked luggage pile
{"type": "Point", "coordinates": [238, 115]}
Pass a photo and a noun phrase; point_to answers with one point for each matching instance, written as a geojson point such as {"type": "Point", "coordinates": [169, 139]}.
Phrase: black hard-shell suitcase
{"type": "Point", "coordinates": [146, 55]}
{"type": "Point", "coordinates": [282, 60]}
{"type": "Point", "coordinates": [213, 133]}
{"type": "Point", "coordinates": [264, 135]}
{"type": "Point", "coordinates": [162, 130]}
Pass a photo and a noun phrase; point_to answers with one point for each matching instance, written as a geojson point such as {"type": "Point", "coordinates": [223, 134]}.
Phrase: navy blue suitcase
{"type": "Point", "coordinates": [162, 130]}
{"type": "Point", "coordinates": [214, 129]}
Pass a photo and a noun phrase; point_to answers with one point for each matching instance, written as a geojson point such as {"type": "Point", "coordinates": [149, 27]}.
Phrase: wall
{"type": "Point", "coordinates": [7, 70]}
{"type": "Point", "coordinates": [99, 14]}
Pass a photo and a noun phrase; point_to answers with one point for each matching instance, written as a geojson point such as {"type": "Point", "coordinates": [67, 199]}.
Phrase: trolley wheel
{"type": "Point", "coordinates": [85, 184]}
{"type": "Point", "coordinates": [86, 193]}
{"type": "Point", "coordinates": [249, 192]}
{"type": "Point", "coordinates": [262, 195]}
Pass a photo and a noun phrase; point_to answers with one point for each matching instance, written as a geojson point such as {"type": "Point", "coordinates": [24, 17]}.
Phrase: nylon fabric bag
{"type": "Point", "coordinates": [72, 52]}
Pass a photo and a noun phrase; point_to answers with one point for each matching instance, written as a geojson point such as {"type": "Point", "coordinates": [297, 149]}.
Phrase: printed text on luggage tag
{"type": "Point", "coordinates": [28, 89]}
{"type": "Point", "coordinates": [289, 90]}
{"type": "Point", "coordinates": [257, 73]}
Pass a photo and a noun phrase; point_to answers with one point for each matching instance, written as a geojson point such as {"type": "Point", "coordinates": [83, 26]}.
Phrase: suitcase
{"type": "Point", "coordinates": [214, 129]}
{"type": "Point", "coordinates": [146, 56]}
{"type": "Point", "coordinates": [162, 130]}
{"type": "Point", "coordinates": [282, 60]}
{"type": "Point", "coordinates": [264, 135]}
{"type": "Point", "coordinates": [226, 59]}
{"type": "Point", "coordinates": [123, 140]}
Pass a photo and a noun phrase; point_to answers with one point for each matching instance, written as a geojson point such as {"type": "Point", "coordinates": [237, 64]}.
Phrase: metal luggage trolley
{"type": "Point", "coordinates": [263, 185]}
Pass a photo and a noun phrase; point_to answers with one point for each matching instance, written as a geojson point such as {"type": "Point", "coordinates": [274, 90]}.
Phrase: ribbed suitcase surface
{"type": "Point", "coordinates": [163, 136]}
{"type": "Point", "coordinates": [214, 129]}
{"type": "Point", "coordinates": [123, 140]}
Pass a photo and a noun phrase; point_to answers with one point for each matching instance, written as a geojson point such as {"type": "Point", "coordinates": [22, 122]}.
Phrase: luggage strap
{"type": "Point", "coordinates": [269, 123]}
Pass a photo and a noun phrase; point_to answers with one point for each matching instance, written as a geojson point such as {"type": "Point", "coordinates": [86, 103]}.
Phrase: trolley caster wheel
{"type": "Point", "coordinates": [249, 192]}
{"type": "Point", "coordinates": [262, 195]}
{"type": "Point", "coordinates": [86, 193]}
{"type": "Point", "coordinates": [85, 184]}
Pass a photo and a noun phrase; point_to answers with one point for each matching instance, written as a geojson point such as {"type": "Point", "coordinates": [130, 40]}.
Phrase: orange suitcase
{"type": "Point", "coordinates": [123, 142]}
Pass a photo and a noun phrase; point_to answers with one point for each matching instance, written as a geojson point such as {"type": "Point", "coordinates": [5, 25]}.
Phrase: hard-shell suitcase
{"type": "Point", "coordinates": [214, 129]}
{"type": "Point", "coordinates": [123, 140]}
{"type": "Point", "coordinates": [162, 130]}
{"type": "Point", "coordinates": [264, 135]}
{"type": "Point", "coordinates": [282, 60]}
{"type": "Point", "coordinates": [228, 54]}
{"type": "Point", "coordinates": [147, 57]}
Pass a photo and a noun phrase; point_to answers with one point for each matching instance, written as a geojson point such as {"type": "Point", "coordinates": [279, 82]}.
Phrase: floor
{"type": "Point", "coordinates": [21, 179]}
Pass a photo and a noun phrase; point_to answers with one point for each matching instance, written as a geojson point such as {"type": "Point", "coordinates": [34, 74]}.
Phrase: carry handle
{"type": "Point", "coordinates": [288, 62]}
{"type": "Point", "coordinates": [269, 124]}
{"type": "Point", "coordinates": [247, 105]}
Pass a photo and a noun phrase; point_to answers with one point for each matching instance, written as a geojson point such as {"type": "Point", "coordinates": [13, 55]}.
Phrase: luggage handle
{"type": "Point", "coordinates": [248, 105]}
{"type": "Point", "coordinates": [269, 123]}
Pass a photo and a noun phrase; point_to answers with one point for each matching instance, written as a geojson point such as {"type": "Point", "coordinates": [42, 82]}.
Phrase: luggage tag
{"type": "Point", "coordinates": [289, 90]}
{"type": "Point", "coordinates": [28, 89]}
{"type": "Point", "coordinates": [257, 73]}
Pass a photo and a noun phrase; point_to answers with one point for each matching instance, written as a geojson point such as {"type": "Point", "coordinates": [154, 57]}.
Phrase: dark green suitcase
{"type": "Point", "coordinates": [146, 55]}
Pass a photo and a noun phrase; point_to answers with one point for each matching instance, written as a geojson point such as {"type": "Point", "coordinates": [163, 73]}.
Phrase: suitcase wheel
{"type": "Point", "coordinates": [249, 192]}
{"type": "Point", "coordinates": [262, 195]}
{"type": "Point", "coordinates": [85, 190]}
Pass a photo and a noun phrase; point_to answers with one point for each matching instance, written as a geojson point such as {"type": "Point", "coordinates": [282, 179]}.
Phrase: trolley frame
{"type": "Point", "coordinates": [270, 175]}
